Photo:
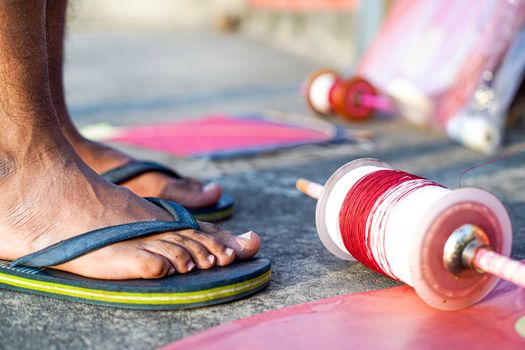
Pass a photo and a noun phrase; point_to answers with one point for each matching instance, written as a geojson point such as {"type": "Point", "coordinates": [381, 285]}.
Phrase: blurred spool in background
{"type": "Point", "coordinates": [446, 65]}
{"type": "Point", "coordinates": [353, 99]}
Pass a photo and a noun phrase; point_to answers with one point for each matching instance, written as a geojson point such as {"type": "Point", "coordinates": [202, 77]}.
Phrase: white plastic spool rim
{"type": "Point", "coordinates": [318, 91]}
{"type": "Point", "coordinates": [430, 278]}
{"type": "Point", "coordinates": [323, 218]}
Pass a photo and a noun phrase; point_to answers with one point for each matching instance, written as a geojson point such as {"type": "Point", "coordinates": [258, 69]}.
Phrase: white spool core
{"type": "Point", "coordinates": [320, 90]}
{"type": "Point", "coordinates": [401, 227]}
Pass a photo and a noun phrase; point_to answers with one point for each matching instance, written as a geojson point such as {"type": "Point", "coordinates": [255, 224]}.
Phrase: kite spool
{"type": "Point", "coordinates": [318, 90]}
{"type": "Point", "coordinates": [449, 245]}
{"type": "Point", "coordinates": [353, 99]}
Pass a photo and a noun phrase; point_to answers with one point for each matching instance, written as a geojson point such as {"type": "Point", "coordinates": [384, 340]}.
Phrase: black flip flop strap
{"type": "Point", "coordinates": [133, 169]}
{"type": "Point", "coordinates": [74, 247]}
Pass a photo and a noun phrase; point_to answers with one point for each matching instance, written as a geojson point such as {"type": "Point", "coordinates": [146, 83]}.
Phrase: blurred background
{"type": "Point", "coordinates": [333, 32]}
{"type": "Point", "coordinates": [442, 65]}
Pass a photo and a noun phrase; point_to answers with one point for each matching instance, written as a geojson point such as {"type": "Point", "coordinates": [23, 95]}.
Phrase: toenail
{"type": "Point", "coordinates": [211, 186]}
{"type": "Point", "coordinates": [172, 271]}
{"type": "Point", "coordinates": [246, 236]}
{"type": "Point", "coordinates": [211, 258]}
{"type": "Point", "coordinates": [228, 251]}
{"type": "Point", "coordinates": [191, 265]}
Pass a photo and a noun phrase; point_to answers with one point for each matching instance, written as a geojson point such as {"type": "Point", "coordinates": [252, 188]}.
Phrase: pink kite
{"type": "Point", "coordinates": [393, 318]}
{"type": "Point", "coordinates": [220, 136]}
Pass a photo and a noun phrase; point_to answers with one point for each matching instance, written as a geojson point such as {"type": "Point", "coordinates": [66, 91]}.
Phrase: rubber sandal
{"type": "Point", "coordinates": [32, 273]}
{"type": "Point", "coordinates": [222, 210]}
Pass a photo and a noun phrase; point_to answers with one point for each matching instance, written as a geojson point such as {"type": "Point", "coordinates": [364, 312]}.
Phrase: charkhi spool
{"type": "Point", "coordinates": [354, 99]}
{"type": "Point", "coordinates": [449, 245]}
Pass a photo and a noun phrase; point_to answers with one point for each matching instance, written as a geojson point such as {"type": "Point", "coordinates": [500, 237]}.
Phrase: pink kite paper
{"type": "Point", "coordinates": [221, 136]}
{"type": "Point", "coordinates": [392, 318]}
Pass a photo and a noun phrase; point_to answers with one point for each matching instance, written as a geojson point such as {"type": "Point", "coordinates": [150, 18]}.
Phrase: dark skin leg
{"type": "Point", "coordinates": [49, 194]}
{"type": "Point", "coordinates": [187, 191]}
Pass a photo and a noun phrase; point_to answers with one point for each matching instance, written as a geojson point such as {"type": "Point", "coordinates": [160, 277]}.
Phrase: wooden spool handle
{"type": "Point", "coordinates": [309, 188]}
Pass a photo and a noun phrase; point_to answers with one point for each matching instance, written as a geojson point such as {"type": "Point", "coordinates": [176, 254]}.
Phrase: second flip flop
{"type": "Point", "coordinates": [221, 210]}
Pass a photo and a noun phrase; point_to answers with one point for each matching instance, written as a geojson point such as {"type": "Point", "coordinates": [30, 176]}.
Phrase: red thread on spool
{"type": "Point", "coordinates": [358, 206]}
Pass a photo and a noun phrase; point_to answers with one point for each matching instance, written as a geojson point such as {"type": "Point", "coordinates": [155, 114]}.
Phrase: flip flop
{"type": "Point", "coordinates": [222, 210]}
{"type": "Point", "coordinates": [31, 273]}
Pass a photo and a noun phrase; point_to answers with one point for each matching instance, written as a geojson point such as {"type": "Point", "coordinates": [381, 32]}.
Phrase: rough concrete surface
{"type": "Point", "coordinates": [147, 77]}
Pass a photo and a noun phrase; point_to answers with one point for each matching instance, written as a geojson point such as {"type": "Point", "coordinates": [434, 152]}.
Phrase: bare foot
{"type": "Point", "coordinates": [52, 195]}
{"type": "Point", "coordinates": [187, 191]}
{"type": "Point", "coordinates": [49, 194]}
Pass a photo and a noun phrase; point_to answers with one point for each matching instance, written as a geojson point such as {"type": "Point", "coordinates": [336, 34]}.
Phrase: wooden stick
{"type": "Point", "coordinates": [309, 188]}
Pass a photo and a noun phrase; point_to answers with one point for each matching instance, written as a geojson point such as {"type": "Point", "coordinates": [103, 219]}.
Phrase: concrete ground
{"type": "Point", "coordinates": [134, 78]}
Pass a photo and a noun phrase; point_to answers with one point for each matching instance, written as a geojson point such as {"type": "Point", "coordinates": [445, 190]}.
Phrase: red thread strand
{"type": "Point", "coordinates": [508, 154]}
{"type": "Point", "coordinates": [359, 207]}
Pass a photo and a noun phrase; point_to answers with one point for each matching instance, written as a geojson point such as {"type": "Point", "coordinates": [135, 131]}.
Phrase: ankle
{"type": "Point", "coordinates": [70, 131]}
{"type": "Point", "coordinates": [22, 147]}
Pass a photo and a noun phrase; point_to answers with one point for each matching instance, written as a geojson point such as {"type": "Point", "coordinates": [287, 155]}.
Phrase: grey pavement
{"type": "Point", "coordinates": [147, 77]}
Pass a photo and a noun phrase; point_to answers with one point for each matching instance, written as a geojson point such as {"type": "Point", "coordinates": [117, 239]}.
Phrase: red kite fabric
{"type": "Point", "coordinates": [392, 318]}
